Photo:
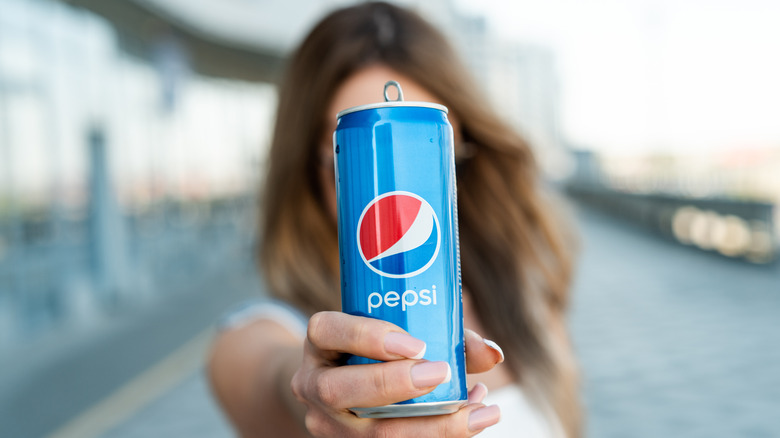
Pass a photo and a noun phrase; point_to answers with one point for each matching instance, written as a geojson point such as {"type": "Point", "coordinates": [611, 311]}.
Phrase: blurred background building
{"type": "Point", "coordinates": [122, 121]}
{"type": "Point", "coordinates": [132, 140]}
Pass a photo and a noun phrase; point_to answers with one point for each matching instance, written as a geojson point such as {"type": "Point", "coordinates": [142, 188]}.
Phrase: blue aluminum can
{"type": "Point", "coordinates": [398, 235]}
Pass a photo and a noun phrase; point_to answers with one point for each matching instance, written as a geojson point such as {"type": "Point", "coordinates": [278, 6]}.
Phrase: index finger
{"type": "Point", "coordinates": [334, 333]}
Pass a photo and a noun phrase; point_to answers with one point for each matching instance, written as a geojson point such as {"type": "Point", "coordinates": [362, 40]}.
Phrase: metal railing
{"type": "Point", "coordinates": [742, 229]}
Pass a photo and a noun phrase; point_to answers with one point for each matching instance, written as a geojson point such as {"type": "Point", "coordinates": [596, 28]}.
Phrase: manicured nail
{"type": "Point", "coordinates": [478, 393]}
{"type": "Point", "coordinates": [404, 345]}
{"type": "Point", "coordinates": [484, 417]}
{"type": "Point", "coordinates": [495, 348]}
{"type": "Point", "coordinates": [428, 374]}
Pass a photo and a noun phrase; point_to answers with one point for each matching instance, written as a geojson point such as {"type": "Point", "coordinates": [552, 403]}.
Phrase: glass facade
{"type": "Point", "coordinates": [110, 164]}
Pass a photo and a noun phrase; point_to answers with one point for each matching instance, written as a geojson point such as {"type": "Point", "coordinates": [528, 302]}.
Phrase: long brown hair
{"type": "Point", "coordinates": [516, 263]}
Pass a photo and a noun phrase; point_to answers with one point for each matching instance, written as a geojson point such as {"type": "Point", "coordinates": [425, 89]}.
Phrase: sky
{"type": "Point", "coordinates": [656, 76]}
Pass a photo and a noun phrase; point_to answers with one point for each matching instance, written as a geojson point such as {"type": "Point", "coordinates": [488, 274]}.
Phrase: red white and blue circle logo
{"type": "Point", "coordinates": [398, 235]}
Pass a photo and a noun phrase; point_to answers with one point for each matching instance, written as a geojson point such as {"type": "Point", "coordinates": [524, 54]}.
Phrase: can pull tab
{"type": "Point", "coordinates": [397, 86]}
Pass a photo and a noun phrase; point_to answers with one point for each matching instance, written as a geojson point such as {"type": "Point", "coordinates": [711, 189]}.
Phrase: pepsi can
{"type": "Point", "coordinates": [398, 235]}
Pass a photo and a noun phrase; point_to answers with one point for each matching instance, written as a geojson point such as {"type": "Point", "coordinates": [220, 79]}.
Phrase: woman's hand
{"type": "Point", "coordinates": [329, 390]}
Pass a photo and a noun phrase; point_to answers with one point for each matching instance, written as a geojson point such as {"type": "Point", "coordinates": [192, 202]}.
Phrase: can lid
{"type": "Point", "coordinates": [388, 103]}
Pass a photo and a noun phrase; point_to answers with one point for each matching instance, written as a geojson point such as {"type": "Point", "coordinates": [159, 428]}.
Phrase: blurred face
{"type": "Point", "coordinates": [363, 87]}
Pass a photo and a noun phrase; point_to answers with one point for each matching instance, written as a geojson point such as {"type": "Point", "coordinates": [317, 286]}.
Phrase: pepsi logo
{"type": "Point", "coordinates": [398, 235]}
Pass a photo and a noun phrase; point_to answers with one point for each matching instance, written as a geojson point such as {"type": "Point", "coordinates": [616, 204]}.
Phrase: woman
{"type": "Point", "coordinates": [516, 266]}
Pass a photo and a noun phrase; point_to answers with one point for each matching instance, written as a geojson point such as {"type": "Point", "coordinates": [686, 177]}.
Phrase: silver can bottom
{"type": "Point", "coordinates": [410, 410]}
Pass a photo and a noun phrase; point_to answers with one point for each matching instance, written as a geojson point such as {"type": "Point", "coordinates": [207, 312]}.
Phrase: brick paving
{"type": "Point", "coordinates": [673, 343]}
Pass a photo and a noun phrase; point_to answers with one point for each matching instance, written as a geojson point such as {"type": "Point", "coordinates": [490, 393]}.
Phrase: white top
{"type": "Point", "coordinates": [519, 416]}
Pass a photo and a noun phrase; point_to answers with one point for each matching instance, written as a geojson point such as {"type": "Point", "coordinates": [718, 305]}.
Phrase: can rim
{"type": "Point", "coordinates": [403, 103]}
{"type": "Point", "coordinates": [389, 103]}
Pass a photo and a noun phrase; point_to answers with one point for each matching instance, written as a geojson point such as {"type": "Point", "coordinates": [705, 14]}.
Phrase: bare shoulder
{"type": "Point", "coordinates": [256, 337]}
{"type": "Point", "coordinates": [249, 368]}
{"type": "Point", "coordinates": [247, 351]}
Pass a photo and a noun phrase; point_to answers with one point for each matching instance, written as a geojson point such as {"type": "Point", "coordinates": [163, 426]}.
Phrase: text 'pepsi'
{"type": "Point", "coordinates": [398, 235]}
{"type": "Point", "coordinates": [409, 298]}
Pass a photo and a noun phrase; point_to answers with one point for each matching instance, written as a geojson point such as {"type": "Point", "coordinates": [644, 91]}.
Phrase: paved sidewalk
{"type": "Point", "coordinates": [186, 411]}
{"type": "Point", "coordinates": [49, 384]}
{"type": "Point", "coordinates": [673, 343]}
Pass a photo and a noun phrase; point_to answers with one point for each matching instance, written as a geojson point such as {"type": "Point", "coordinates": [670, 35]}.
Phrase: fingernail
{"type": "Point", "coordinates": [478, 393]}
{"type": "Point", "coordinates": [496, 348]}
{"type": "Point", "coordinates": [484, 417]}
{"type": "Point", "coordinates": [427, 374]}
{"type": "Point", "coordinates": [404, 345]}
